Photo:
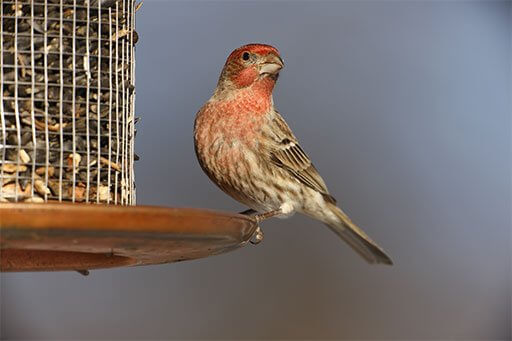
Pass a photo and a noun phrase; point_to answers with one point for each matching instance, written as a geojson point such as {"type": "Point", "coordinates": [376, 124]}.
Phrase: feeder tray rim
{"type": "Point", "coordinates": [64, 236]}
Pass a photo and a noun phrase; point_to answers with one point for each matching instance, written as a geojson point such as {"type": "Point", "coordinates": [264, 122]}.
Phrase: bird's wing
{"type": "Point", "coordinates": [286, 153]}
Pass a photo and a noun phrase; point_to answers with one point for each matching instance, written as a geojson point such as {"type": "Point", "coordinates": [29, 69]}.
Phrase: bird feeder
{"type": "Point", "coordinates": [67, 132]}
{"type": "Point", "coordinates": [67, 101]}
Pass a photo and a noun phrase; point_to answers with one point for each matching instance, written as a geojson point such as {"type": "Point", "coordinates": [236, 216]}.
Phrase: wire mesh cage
{"type": "Point", "coordinates": [67, 100]}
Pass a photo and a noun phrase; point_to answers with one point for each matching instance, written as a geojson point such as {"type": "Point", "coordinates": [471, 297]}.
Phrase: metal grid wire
{"type": "Point", "coordinates": [67, 101]}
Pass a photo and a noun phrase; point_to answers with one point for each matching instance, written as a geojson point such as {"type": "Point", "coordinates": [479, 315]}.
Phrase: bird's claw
{"type": "Point", "coordinates": [257, 237]}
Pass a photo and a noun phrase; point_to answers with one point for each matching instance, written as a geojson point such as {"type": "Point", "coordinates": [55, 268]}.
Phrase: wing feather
{"type": "Point", "coordinates": [285, 152]}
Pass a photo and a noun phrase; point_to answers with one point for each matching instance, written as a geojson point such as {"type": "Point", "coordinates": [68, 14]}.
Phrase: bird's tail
{"type": "Point", "coordinates": [356, 238]}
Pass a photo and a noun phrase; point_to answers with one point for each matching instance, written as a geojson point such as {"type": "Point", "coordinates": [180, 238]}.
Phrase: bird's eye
{"type": "Point", "coordinates": [246, 56]}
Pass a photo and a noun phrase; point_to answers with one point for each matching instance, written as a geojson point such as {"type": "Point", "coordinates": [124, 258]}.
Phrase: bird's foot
{"type": "Point", "coordinates": [257, 237]}
{"type": "Point", "coordinates": [83, 272]}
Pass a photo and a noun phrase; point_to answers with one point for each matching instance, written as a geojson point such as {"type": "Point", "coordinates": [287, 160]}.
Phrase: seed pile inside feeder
{"type": "Point", "coordinates": [67, 101]}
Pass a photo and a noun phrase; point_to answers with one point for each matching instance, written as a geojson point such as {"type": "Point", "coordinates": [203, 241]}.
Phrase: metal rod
{"type": "Point", "coordinates": [73, 109]}
{"type": "Point", "coordinates": [109, 104]}
{"type": "Point", "coordinates": [61, 95]}
{"type": "Point", "coordinates": [16, 104]}
{"type": "Point", "coordinates": [99, 110]}
{"type": "Point", "coordinates": [46, 104]}
{"type": "Point", "coordinates": [2, 118]}
{"type": "Point", "coordinates": [32, 95]}
{"type": "Point", "coordinates": [117, 104]}
{"type": "Point", "coordinates": [87, 99]}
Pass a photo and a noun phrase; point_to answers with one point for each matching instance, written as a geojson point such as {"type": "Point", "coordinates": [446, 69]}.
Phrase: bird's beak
{"type": "Point", "coordinates": [271, 65]}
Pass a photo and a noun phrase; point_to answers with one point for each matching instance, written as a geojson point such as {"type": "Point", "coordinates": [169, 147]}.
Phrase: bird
{"type": "Point", "coordinates": [246, 148]}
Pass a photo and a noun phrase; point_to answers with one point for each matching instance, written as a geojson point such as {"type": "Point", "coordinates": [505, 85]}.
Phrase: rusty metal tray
{"type": "Point", "coordinates": [58, 236]}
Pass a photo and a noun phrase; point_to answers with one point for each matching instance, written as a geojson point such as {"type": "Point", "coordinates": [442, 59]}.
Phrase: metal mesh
{"type": "Point", "coordinates": [67, 80]}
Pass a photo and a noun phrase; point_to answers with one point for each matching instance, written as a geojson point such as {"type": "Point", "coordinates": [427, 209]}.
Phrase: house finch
{"type": "Point", "coordinates": [247, 149]}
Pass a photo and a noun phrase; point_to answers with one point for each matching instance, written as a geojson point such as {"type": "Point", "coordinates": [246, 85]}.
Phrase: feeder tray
{"type": "Point", "coordinates": [53, 237]}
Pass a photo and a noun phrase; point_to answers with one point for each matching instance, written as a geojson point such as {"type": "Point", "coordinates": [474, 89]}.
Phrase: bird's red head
{"type": "Point", "coordinates": [251, 64]}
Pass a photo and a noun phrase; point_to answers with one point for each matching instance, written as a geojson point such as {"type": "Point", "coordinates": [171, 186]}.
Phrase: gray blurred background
{"type": "Point", "coordinates": [405, 108]}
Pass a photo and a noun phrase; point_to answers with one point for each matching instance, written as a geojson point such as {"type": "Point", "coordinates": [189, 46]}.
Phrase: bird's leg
{"type": "Point", "coordinates": [249, 211]}
{"type": "Point", "coordinates": [262, 216]}
{"type": "Point", "coordinates": [285, 210]}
